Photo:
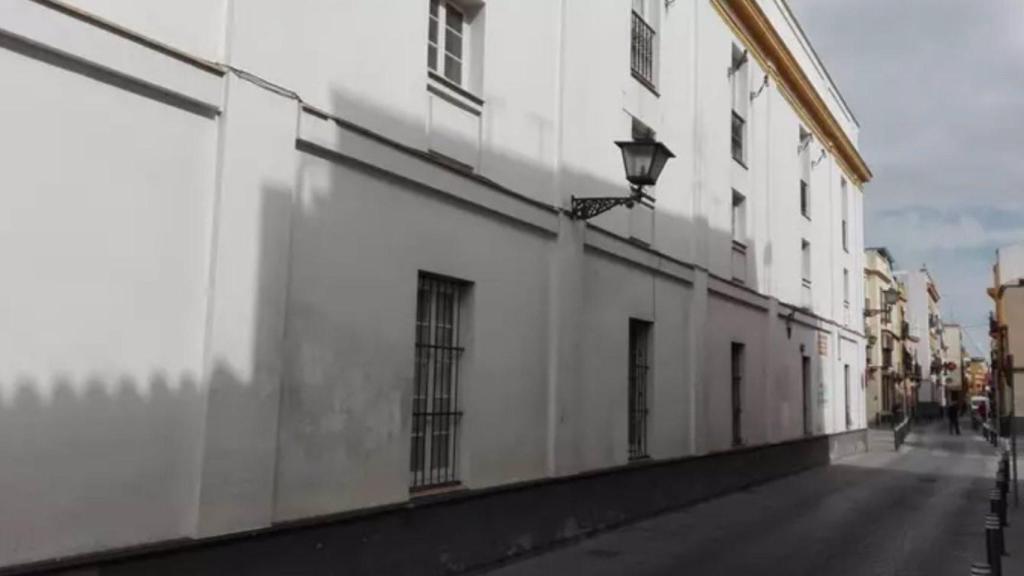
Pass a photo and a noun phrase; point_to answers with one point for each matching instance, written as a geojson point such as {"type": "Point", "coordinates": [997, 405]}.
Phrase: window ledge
{"type": "Point", "coordinates": [646, 83]}
{"type": "Point", "coordinates": [806, 283]}
{"type": "Point", "coordinates": [436, 490]}
{"type": "Point", "coordinates": [738, 246]}
{"type": "Point", "coordinates": [806, 216]}
{"type": "Point", "coordinates": [454, 93]}
{"type": "Point", "coordinates": [740, 162]}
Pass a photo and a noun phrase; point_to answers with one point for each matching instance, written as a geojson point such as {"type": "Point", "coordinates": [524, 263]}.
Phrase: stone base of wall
{"type": "Point", "coordinates": [846, 444]}
{"type": "Point", "coordinates": [458, 531]}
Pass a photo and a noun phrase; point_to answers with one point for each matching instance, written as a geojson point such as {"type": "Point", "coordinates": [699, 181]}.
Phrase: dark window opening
{"type": "Point", "coordinates": [639, 368]}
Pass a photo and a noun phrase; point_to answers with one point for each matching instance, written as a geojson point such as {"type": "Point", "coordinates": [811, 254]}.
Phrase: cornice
{"type": "Point", "coordinates": [749, 22]}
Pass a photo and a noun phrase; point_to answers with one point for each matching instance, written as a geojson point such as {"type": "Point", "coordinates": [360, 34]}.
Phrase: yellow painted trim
{"type": "Point", "coordinates": [752, 27]}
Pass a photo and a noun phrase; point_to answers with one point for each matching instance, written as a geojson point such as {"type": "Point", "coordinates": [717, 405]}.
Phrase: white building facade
{"type": "Point", "coordinates": [925, 318]}
{"type": "Point", "coordinates": [954, 362]}
{"type": "Point", "coordinates": [268, 263]}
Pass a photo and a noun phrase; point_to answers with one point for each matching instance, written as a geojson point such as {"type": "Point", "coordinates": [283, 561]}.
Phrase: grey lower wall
{"type": "Point", "coordinates": [459, 531]}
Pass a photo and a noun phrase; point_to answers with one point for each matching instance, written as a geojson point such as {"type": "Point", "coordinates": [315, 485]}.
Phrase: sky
{"type": "Point", "coordinates": [937, 87]}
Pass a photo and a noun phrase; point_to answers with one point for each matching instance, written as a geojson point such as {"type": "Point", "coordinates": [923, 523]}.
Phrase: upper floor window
{"type": "Point", "coordinates": [455, 41]}
{"type": "Point", "coordinates": [845, 199]}
{"type": "Point", "coordinates": [805, 261]}
{"type": "Point", "coordinates": [643, 43]}
{"type": "Point", "coordinates": [739, 218]}
{"type": "Point", "coordinates": [738, 129]}
{"type": "Point", "coordinates": [846, 288]}
{"type": "Point", "coordinates": [805, 198]}
{"type": "Point", "coordinates": [739, 76]}
{"type": "Point", "coordinates": [804, 152]}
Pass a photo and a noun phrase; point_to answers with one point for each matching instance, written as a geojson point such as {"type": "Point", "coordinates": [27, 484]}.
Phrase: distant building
{"type": "Point", "coordinates": [892, 368]}
{"type": "Point", "coordinates": [926, 320]}
{"type": "Point", "coordinates": [977, 376]}
{"type": "Point", "coordinates": [953, 362]}
{"type": "Point", "coordinates": [1007, 326]}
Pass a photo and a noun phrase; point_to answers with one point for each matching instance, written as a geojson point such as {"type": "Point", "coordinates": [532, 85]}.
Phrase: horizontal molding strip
{"type": "Point", "coordinates": [613, 245]}
{"type": "Point", "coordinates": [77, 41]}
{"type": "Point", "coordinates": [348, 141]}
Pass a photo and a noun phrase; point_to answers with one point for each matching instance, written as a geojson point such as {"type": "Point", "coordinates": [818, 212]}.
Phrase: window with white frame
{"type": "Point", "coordinates": [447, 41]}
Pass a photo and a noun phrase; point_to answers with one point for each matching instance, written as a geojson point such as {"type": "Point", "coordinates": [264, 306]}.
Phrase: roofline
{"type": "Point", "coordinates": [784, 4]}
{"type": "Point", "coordinates": [884, 252]}
{"type": "Point", "coordinates": [757, 32]}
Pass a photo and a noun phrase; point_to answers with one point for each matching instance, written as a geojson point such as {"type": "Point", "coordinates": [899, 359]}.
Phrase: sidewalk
{"type": "Point", "coordinates": [1014, 533]}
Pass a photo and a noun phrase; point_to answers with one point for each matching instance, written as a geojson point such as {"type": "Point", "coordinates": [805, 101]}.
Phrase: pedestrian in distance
{"type": "Point", "coordinates": [954, 419]}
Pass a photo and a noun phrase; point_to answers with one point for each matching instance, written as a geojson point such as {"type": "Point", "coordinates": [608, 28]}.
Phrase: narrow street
{"type": "Point", "coordinates": [918, 511]}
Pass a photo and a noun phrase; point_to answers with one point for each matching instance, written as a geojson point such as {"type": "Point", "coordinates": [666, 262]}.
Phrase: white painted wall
{"type": "Point", "coordinates": [195, 27]}
{"type": "Point", "coordinates": [918, 313]}
{"type": "Point", "coordinates": [208, 327]}
{"type": "Point", "coordinates": [104, 234]}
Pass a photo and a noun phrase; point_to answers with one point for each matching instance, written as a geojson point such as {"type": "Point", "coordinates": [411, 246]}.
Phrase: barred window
{"type": "Point", "coordinates": [643, 45]}
{"type": "Point", "coordinates": [435, 402]}
{"type": "Point", "coordinates": [738, 366]}
{"type": "Point", "coordinates": [639, 366]}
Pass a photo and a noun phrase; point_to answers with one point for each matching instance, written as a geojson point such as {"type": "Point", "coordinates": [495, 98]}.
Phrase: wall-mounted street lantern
{"type": "Point", "coordinates": [889, 299]}
{"type": "Point", "coordinates": [643, 161]}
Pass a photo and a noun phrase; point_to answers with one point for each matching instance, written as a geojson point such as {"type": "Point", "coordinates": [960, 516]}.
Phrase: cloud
{"type": "Point", "coordinates": [930, 232]}
{"type": "Point", "coordinates": [937, 86]}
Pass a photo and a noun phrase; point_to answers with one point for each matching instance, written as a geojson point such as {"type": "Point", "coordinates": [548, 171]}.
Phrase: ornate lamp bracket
{"type": "Point", "coordinates": [587, 208]}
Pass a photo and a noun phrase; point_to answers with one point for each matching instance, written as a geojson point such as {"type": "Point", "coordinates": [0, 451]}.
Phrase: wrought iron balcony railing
{"type": "Point", "coordinates": [642, 52]}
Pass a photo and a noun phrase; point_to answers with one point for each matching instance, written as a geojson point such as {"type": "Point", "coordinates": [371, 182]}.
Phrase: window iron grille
{"type": "Point", "coordinates": [435, 404]}
{"type": "Point", "coordinates": [737, 393]}
{"type": "Point", "coordinates": [639, 368]}
{"type": "Point", "coordinates": [642, 50]}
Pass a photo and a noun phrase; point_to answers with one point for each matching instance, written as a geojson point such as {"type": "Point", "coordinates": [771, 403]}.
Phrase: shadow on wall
{"type": "Point", "coordinates": [109, 463]}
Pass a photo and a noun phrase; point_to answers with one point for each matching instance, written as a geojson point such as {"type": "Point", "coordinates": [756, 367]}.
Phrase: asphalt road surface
{"type": "Point", "coordinates": [919, 511]}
